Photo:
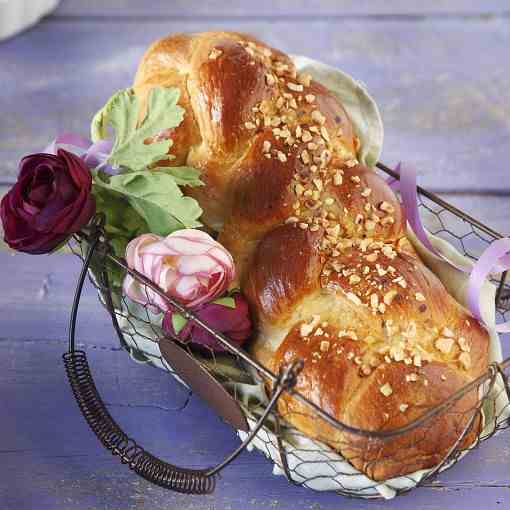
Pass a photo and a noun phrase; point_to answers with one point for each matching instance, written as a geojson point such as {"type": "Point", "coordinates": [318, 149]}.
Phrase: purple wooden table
{"type": "Point", "coordinates": [441, 76]}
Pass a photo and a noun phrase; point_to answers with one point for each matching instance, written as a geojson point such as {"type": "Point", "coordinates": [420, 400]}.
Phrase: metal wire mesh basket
{"type": "Point", "coordinates": [245, 393]}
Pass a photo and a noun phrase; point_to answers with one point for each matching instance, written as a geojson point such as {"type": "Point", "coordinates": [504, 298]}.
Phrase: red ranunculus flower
{"type": "Point", "coordinates": [234, 322]}
{"type": "Point", "coordinates": [50, 201]}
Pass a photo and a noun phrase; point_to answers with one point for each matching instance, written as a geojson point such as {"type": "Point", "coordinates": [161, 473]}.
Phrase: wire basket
{"type": "Point", "coordinates": [246, 393]}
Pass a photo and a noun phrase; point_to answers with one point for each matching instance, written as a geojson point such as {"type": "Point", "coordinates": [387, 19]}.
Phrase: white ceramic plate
{"type": "Point", "coordinates": [17, 15]}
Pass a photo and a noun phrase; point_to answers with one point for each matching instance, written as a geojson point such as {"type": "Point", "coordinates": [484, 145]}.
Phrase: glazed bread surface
{"type": "Point", "coordinates": [321, 251]}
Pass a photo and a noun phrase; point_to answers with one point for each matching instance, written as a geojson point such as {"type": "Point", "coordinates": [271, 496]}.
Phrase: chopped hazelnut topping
{"type": "Point", "coordinates": [380, 270]}
{"type": "Point", "coordinates": [388, 220]}
{"type": "Point", "coordinates": [355, 299]}
{"type": "Point", "coordinates": [397, 353]}
{"type": "Point", "coordinates": [266, 146]}
{"type": "Point", "coordinates": [402, 283]}
{"type": "Point", "coordinates": [372, 257]}
{"type": "Point", "coordinates": [354, 279]}
{"type": "Point", "coordinates": [366, 192]}
{"type": "Point", "coordinates": [419, 296]}
{"type": "Point", "coordinates": [411, 377]}
{"type": "Point", "coordinates": [337, 179]}
{"type": "Point", "coordinates": [444, 344]}
{"type": "Point", "coordinates": [275, 122]}
{"type": "Point", "coordinates": [249, 125]}
{"type": "Point", "coordinates": [443, 377]}
{"type": "Point", "coordinates": [329, 201]}
{"type": "Point", "coordinates": [318, 117]}
{"type": "Point", "coordinates": [324, 346]}
{"type": "Point", "coordinates": [292, 219]}
{"type": "Point", "coordinates": [403, 407]}
{"type": "Point", "coordinates": [318, 184]}
{"type": "Point", "coordinates": [464, 344]}
{"type": "Point", "coordinates": [309, 98]}
{"type": "Point", "coordinates": [295, 87]}
{"type": "Point", "coordinates": [305, 79]}
{"type": "Point", "coordinates": [324, 133]}
{"type": "Point", "coordinates": [374, 300]}
{"type": "Point", "coordinates": [215, 53]}
{"type": "Point", "coordinates": [307, 328]}
{"type": "Point", "coordinates": [356, 179]}
{"type": "Point", "coordinates": [390, 296]}
{"type": "Point", "coordinates": [386, 207]}
{"type": "Point", "coordinates": [465, 360]}
{"type": "Point", "coordinates": [306, 136]}
{"type": "Point", "coordinates": [305, 157]}
{"type": "Point", "coordinates": [448, 332]}
{"type": "Point", "coordinates": [281, 156]}
{"type": "Point", "coordinates": [388, 251]}
{"type": "Point", "coordinates": [303, 226]}
{"type": "Point", "coordinates": [299, 189]}
{"type": "Point", "coordinates": [270, 79]}
{"type": "Point", "coordinates": [386, 389]}
{"type": "Point", "coordinates": [349, 334]}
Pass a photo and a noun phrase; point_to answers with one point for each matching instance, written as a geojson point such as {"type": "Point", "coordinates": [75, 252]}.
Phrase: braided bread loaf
{"type": "Point", "coordinates": [321, 251]}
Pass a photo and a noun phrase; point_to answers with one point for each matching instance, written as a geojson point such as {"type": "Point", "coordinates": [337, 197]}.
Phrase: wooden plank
{"type": "Point", "coordinates": [449, 120]}
{"type": "Point", "coordinates": [281, 8]}
{"type": "Point", "coordinates": [50, 459]}
{"type": "Point", "coordinates": [59, 464]}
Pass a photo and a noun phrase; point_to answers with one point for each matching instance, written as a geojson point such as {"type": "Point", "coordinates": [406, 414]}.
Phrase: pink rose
{"type": "Point", "coordinates": [189, 265]}
{"type": "Point", "coordinates": [232, 319]}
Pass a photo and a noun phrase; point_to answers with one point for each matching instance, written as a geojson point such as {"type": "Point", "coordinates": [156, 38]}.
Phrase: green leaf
{"type": "Point", "coordinates": [156, 197]}
{"type": "Point", "coordinates": [183, 175]}
{"type": "Point", "coordinates": [178, 322]}
{"type": "Point", "coordinates": [122, 223]}
{"type": "Point", "coordinates": [122, 112]}
{"type": "Point", "coordinates": [226, 301]}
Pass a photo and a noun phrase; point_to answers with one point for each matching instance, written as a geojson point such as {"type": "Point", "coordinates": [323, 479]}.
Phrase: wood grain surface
{"type": "Point", "coordinates": [439, 71]}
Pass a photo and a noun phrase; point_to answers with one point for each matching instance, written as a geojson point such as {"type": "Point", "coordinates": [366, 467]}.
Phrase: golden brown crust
{"type": "Point", "coordinates": [320, 248]}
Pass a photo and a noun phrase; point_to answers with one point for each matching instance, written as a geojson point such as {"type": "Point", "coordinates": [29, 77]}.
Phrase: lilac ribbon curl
{"type": "Point", "coordinates": [93, 154]}
{"type": "Point", "coordinates": [495, 258]}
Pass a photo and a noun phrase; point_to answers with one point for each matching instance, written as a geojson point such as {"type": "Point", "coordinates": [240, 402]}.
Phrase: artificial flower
{"type": "Point", "coordinates": [50, 200]}
{"type": "Point", "coordinates": [230, 316]}
{"type": "Point", "coordinates": [188, 265]}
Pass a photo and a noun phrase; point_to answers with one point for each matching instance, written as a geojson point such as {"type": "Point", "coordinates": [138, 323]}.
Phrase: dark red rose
{"type": "Point", "coordinates": [50, 201]}
{"type": "Point", "coordinates": [235, 323]}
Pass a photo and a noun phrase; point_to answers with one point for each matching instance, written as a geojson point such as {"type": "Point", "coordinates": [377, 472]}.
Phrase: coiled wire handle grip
{"type": "Point", "coordinates": [146, 465]}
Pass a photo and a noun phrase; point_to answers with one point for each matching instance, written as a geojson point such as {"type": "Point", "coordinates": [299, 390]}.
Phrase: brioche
{"type": "Point", "coordinates": [321, 252]}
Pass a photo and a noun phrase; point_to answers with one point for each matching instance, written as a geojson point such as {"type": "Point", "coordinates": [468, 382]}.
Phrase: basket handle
{"type": "Point", "coordinates": [142, 462]}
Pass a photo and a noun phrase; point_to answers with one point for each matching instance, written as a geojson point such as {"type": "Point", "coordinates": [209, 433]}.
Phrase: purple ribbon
{"type": "Point", "coordinates": [93, 154]}
{"type": "Point", "coordinates": [495, 258]}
